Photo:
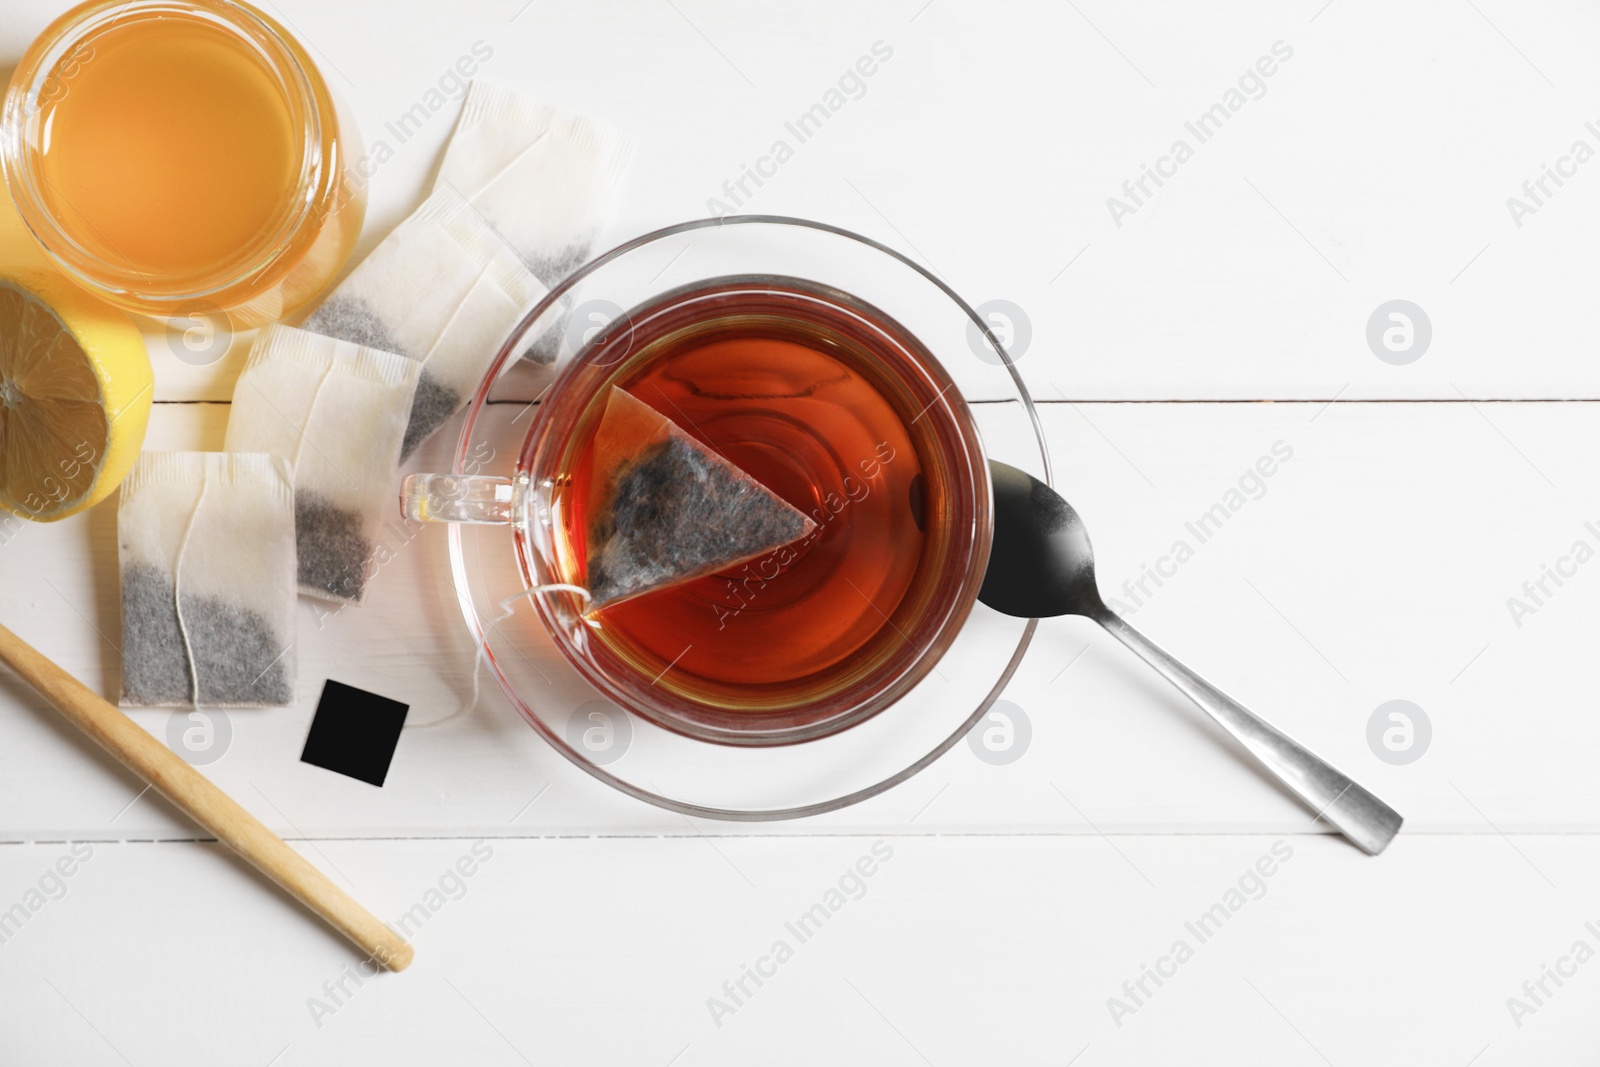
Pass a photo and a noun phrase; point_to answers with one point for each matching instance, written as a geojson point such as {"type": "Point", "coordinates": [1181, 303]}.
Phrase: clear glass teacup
{"type": "Point", "coordinates": [835, 372]}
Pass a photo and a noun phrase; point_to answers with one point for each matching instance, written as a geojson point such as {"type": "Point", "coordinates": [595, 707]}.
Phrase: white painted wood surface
{"type": "Point", "coordinates": [1375, 564]}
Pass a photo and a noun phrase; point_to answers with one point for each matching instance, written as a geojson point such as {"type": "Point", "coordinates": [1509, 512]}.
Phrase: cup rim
{"type": "Point", "coordinates": [950, 592]}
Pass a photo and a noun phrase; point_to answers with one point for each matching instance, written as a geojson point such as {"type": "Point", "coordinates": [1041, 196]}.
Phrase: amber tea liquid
{"type": "Point", "coordinates": [809, 396]}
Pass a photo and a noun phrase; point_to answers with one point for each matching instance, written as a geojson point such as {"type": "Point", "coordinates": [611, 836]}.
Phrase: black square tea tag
{"type": "Point", "coordinates": [354, 732]}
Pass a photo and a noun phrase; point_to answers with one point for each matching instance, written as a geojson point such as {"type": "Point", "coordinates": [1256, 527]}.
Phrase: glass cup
{"type": "Point", "coordinates": [939, 659]}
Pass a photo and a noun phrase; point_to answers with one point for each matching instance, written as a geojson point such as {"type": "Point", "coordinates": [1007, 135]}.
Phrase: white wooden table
{"type": "Point", "coordinates": [1022, 908]}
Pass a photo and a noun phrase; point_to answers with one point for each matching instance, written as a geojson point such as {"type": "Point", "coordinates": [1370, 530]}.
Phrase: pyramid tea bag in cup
{"type": "Point", "coordinates": [669, 509]}
{"type": "Point", "coordinates": [206, 541]}
{"type": "Point", "coordinates": [337, 412]}
{"type": "Point", "coordinates": [442, 289]}
{"type": "Point", "coordinates": [544, 178]}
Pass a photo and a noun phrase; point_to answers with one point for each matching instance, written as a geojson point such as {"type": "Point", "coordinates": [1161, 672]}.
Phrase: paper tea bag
{"type": "Point", "coordinates": [664, 508]}
{"type": "Point", "coordinates": [442, 289]}
{"type": "Point", "coordinates": [206, 541]}
{"type": "Point", "coordinates": [337, 412]}
{"type": "Point", "coordinates": [544, 178]}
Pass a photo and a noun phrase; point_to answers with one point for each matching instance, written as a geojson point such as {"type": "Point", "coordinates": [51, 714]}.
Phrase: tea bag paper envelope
{"type": "Point", "coordinates": [666, 509]}
{"type": "Point", "coordinates": [442, 289]}
{"type": "Point", "coordinates": [337, 413]}
{"type": "Point", "coordinates": [206, 541]}
{"type": "Point", "coordinates": [544, 178]}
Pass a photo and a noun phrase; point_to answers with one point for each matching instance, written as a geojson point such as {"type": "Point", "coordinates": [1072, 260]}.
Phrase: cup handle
{"type": "Point", "coordinates": [478, 499]}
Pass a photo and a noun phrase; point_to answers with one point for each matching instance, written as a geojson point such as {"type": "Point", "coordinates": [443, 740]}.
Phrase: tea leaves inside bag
{"type": "Point", "coordinates": [544, 179]}
{"type": "Point", "coordinates": [665, 508]}
{"type": "Point", "coordinates": [337, 413]}
{"type": "Point", "coordinates": [207, 547]}
{"type": "Point", "coordinates": [443, 289]}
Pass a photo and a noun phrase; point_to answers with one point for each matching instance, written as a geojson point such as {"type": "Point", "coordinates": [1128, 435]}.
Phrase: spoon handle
{"type": "Point", "coordinates": [1334, 796]}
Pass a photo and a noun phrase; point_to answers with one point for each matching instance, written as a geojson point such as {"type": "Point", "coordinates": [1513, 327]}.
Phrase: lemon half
{"type": "Point", "coordinates": [75, 394]}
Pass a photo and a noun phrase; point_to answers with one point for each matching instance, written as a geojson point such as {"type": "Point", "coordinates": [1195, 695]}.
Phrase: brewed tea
{"type": "Point", "coordinates": [815, 401]}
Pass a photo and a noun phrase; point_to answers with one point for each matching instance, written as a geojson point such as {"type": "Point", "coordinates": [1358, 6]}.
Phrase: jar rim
{"type": "Point", "coordinates": [258, 265]}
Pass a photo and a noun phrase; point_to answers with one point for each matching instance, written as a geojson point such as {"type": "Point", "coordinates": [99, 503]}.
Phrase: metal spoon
{"type": "Point", "coordinates": [1041, 566]}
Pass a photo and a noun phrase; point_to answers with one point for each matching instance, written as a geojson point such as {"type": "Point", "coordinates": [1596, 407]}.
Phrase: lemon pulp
{"type": "Point", "coordinates": [75, 392]}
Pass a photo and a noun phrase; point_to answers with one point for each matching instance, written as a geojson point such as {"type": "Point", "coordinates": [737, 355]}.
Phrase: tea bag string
{"type": "Point", "coordinates": [177, 595]}
{"type": "Point", "coordinates": [507, 609]}
{"type": "Point", "coordinates": [461, 306]}
{"type": "Point", "coordinates": [510, 164]}
{"type": "Point", "coordinates": [311, 408]}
